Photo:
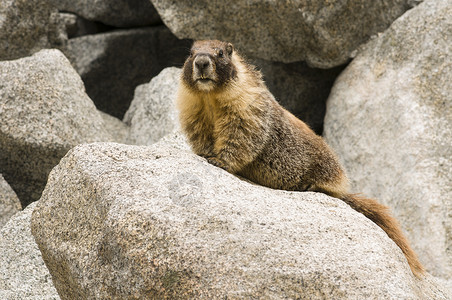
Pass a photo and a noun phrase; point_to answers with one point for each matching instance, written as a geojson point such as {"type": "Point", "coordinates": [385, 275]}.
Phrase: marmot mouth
{"type": "Point", "coordinates": [205, 80]}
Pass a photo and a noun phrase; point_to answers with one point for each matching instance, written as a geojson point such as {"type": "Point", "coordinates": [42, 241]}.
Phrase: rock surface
{"type": "Point", "coordinates": [322, 33]}
{"type": "Point", "coordinates": [115, 127]}
{"type": "Point", "coordinates": [23, 274]}
{"type": "Point", "coordinates": [44, 111]}
{"type": "Point", "coordinates": [119, 13]}
{"type": "Point", "coordinates": [389, 118]}
{"type": "Point", "coordinates": [112, 64]}
{"type": "Point", "coordinates": [9, 203]}
{"type": "Point", "coordinates": [119, 221]}
{"type": "Point", "coordinates": [76, 26]}
{"type": "Point", "coordinates": [27, 26]}
{"type": "Point", "coordinates": [152, 113]}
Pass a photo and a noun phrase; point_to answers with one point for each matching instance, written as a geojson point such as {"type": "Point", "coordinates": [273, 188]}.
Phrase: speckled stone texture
{"type": "Point", "coordinates": [389, 117]}
{"type": "Point", "coordinates": [117, 128]}
{"type": "Point", "coordinates": [23, 274]}
{"type": "Point", "coordinates": [119, 221]}
{"type": "Point", "coordinates": [152, 113]}
{"type": "Point", "coordinates": [322, 33]}
{"type": "Point", "coordinates": [119, 13]}
{"type": "Point", "coordinates": [9, 203]}
{"type": "Point", "coordinates": [27, 26]}
{"type": "Point", "coordinates": [44, 111]}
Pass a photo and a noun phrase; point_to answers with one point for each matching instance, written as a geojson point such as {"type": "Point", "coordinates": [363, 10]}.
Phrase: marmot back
{"type": "Point", "coordinates": [231, 118]}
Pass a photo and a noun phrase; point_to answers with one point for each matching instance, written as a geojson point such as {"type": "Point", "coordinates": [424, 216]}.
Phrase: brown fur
{"type": "Point", "coordinates": [232, 119]}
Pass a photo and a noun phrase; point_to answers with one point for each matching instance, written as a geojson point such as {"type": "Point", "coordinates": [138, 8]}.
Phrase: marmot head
{"type": "Point", "coordinates": [209, 67]}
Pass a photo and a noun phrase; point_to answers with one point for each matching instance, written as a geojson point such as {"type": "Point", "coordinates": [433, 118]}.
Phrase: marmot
{"type": "Point", "coordinates": [230, 117]}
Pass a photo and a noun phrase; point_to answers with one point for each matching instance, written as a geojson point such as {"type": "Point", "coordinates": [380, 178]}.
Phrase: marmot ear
{"type": "Point", "coordinates": [229, 49]}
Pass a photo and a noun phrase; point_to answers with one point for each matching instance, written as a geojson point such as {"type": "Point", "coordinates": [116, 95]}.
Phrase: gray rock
{"type": "Point", "coordinates": [115, 127]}
{"type": "Point", "coordinates": [9, 203]}
{"type": "Point", "coordinates": [76, 26]}
{"type": "Point", "coordinates": [44, 111]}
{"type": "Point", "coordinates": [445, 283]}
{"type": "Point", "coordinates": [175, 140]}
{"type": "Point", "coordinates": [70, 23]}
{"type": "Point", "coordinates": [119, 221]}
{"type": "Point", "coordinates": [389, 117]}
{"type": "Point", "coordinates": [152, 113]}
{"type": "Point", "coordinates": [322, 33]}
{"type": "Point", "coordinates": [27, 26]}
{"type": "Point", "coordinates": [112, 64]}
{"type": "Point", "coordinates": [122, 13]}
{"type": "Point", "coordinates": [23, 274]}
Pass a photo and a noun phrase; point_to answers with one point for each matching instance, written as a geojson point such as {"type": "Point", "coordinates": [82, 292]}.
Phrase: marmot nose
{"type": "Point", "coordinates": [202, 62]}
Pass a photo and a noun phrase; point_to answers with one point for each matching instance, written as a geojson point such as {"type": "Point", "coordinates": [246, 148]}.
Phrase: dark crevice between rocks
{"type": "Point", "coordinates": [128, 61]}
{"type": "Point", "coordinates": [80, 26]}
{"type": "Point", "coordinates": [77, 26]}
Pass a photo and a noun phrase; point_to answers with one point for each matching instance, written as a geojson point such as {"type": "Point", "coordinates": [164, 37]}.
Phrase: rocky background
{"type": "Point", "coordinates": [100, 196]}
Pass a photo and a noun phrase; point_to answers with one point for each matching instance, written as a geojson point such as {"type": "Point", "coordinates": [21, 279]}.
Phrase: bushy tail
{"type": "Point", "coordinates": [381, 216]}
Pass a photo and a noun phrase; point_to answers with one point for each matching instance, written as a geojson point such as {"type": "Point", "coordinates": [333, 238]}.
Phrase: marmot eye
{"type": "Point", "coordinates": [220, 53]}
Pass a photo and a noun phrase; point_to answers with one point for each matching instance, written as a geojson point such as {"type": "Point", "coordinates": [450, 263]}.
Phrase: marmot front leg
{"type": "Point", "coordinates": [203, 145]}
{"type": "Point", "coordinates": [199, 132]}
{"type": "Point", "coordinates": [227, 157]}
{"type": "Point", "coordinates": [217, 163]}
{"type": "Point", "coordinates": [236, 146]}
